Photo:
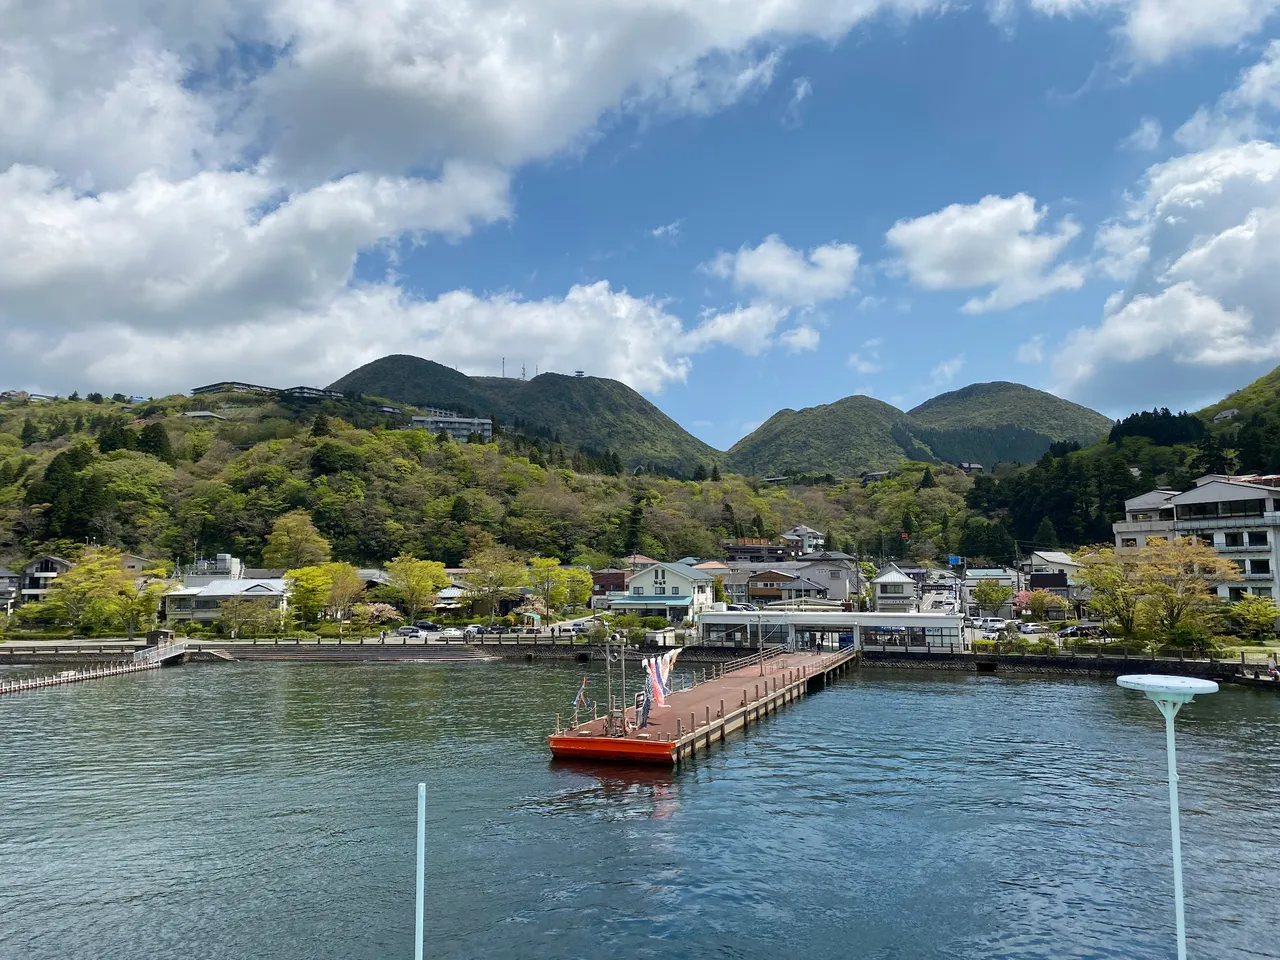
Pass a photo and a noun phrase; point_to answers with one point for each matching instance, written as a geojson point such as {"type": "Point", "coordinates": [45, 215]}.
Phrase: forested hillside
{"type": "Point", "coordinates": [148, 479]}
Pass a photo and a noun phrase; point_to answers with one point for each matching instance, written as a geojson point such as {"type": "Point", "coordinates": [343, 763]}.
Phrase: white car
{"type": "Point", "coordinates": [1030, 628]}
{"type": "Point", "coordinates": [995, 624]}
{"type": "Point", "coordinates": [452, 633]}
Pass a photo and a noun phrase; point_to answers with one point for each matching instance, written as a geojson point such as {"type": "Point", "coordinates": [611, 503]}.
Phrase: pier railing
{"type": "Point", "coordinates": [764, 656]}
{"type": "Point", "coordinates": [161, 651]}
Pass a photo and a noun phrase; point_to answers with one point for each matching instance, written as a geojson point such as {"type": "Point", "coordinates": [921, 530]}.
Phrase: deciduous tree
{"type": "Point", "coordinates": [1255, 617]}
{"type": "Point", "coordinates": [991, 595]}
{"type": "Point", "coordinates": [308, 592]}
{"type": "Point", "coordinates": [495, 575]}
{"type": "Point", "coordinates": [295, 542]}
{"type": "Point", "coordinates": [416, 581]}
{"type": "Point", "coordinates": [345, 587]}
{"type": "Point", "coordinates": [1115, 586]}
{"type": "Point", "coordinates": [546, 579]}
{"type": "Point", "coordinates": [1178, 579]}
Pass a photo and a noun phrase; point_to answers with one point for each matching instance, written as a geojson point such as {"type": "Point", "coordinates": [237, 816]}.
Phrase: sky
{"type": "Point", "coordinates": [733, 206]}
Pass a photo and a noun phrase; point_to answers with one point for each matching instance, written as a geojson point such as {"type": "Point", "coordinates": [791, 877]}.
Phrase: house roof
{"type": "Point", "coordinates": [234, 588]}
{"type": "Point", "coordinates": [650, 602]}
{"type": "Point", "coordinates": [827, 555]}
{"type": "Point", "coordinates": [800, 583]}
{"type": "Point", "coordinates": [689, 561]}
{"type": "Point", "coordinates": [264, 573]}
{"type": "Point", "coordinates": [989, 573]}
{"type": "Point", "coordinates": [1216, 490]}
{"type": "Point", "coordinates": [801, 530]}
{"type": "Point", "coordinates": [693, 573]}
{"type": "Point", "coordinates": [891, 574]}
{"type": "Point", "coordinates": [772, 571]}
{"type": "Point", "coordinates": [1151, 499]}
{"type": "Point", "coordinates": [711, 565]}
{"type": "Point", "coordinates": [1056, 556]}
{"type": "Point", "coordinates": [47, 556]}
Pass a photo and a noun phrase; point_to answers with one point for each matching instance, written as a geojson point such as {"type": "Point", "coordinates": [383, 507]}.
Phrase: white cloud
{"type": "Point", "coordinates": [749, 329]}
{"type": "Point", "coordinates": [1032, 351]}
{"type": "Point", "coordinates": [1145, 138]}
{"type": "Point", "coordinates": [946, 371]}
{"type": "Point", "coordinates": [668, 231]}
{"type": "Point", "coordinates": [1201, 311]}
{"type": "Point", "coordinates": [867, 360]}
{"type": "Point", "coordinates": [801, 338]}
{"type": "Point", "coordinates": [1239, 114]}
{"type": "Point", "coordinates": [788, 276]}
{"type": "Point", "coordinates": [1155, 30]}
{"type": "Point", "coordinates": [801, 90]}
{"type": "Point", "coordinates": [996, 243]}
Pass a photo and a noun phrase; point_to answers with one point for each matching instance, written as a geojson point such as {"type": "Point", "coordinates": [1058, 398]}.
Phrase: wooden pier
{"type": "Point", "coordinates": [149, 658]}
{"type": "Point", "coordinates": [728, 698]}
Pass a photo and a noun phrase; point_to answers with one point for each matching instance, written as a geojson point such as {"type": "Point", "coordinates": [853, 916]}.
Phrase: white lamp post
{"type": "Point", "coordinates": [1169, 694]}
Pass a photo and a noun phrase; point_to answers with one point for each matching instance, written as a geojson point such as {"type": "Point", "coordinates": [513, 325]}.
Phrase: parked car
{"type": "Point", "coordinates": [473, 631]}
{"type": "Point", "coordinates": [580, 628]}
{"type": "Point", "coordinates": [408, 631]}
{"type": "Point", "coordinates": [1084, 631]}
{"type": "Point", "coordinates": [427, 625]}
{"type": "Point", "coordinates": [993, 623]}
{"type": "Point", "coordinates": [451, 633]}
{"type": "Point", "coordinates": [1030, 628]}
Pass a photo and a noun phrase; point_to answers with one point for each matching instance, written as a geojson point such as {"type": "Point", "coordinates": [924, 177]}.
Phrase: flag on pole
{"type": "Point", "coordinates": [653, 676]}
{"type": "Point", "coordinates": [580, 701]}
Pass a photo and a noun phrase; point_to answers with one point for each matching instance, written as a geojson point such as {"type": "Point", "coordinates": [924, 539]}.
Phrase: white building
{"type": "Point", "coordinates": [672, 590]}
{"type": "Point", "coordinates": [1238, 516]}
{"type": "Point", "coordinates": [458, 428]}
{"type": "Point", "coordinates": [1145, 517]}
{"type": "Point", "coordinates": [203, 603]}
{"type": "Point", "coordinates": [894, 591]}
{"type": "Point", "coordinates": [807, 539]}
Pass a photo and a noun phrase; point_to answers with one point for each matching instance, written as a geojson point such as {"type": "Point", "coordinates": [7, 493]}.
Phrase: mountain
{"type": "Point", "coordinates": [1002, 422]}
{"type": "Point", "coordinates": [984, 422]}
{"type": "Point", "coordinates": [593, 413]}
{"type": "Point", "coordinates": [1004, 404]}
{"type": "Point", "coordinates": [846, 437]}
{"type": "Point", "coordinates": [1260, 397]}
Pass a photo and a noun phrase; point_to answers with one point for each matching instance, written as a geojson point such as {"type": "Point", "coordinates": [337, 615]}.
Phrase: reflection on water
{"type": "Point", "coordinates": [246, 811]}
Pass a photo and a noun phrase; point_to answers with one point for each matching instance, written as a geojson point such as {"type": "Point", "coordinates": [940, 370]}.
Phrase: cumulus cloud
{"type": "Point", "coordinates": [1145, 137]}
{"type": "Point", "coordinates": [1155, 30]}
{"type": "Point", "coordinates": [788, 276]}
{"type": "Point", "coordinates": [800, 338]}
{"type": "Point", "coordinates": [1243, 113]}
{"type": "Point", "coordinates": [1200, 242]}
{"type": "Point", "coordinates": [996, 243]}
{"type": "Point", "coordinates": [749, 328]}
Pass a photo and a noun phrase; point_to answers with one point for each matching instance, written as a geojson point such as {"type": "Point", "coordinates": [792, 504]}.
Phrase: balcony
{"type": "Point", "coordinates": [1244, 548]}
{"type": "Point", "coordinates": [1268, 519]}
{"type": "Point", "coordinates": [1259, 576]}
{"type": "Point", "coordinates": [1162, 527]}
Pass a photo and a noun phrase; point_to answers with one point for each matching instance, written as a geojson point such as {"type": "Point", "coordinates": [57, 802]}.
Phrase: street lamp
{"type": "Point", "coordinates": [1169, 694]}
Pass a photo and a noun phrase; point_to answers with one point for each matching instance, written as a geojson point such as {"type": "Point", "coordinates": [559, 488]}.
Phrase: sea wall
{"type": "Point", "coordinates": [1053, 665]}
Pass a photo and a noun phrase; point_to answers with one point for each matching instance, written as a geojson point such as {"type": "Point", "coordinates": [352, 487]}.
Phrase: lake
{"type": "Point", "coordinates": [223, 812]}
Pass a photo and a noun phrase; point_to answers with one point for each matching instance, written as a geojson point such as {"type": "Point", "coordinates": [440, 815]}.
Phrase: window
{"type": "Point", "coordinates": [892, 588]}
{"type": "Point", "coordinates": [659, 591]}
{"type": "Point", "coordinates": [1262, 591]}
{"type": "Point", "coordinates": [1234, 539]}
{"type": "Point", "coordinates": [637, 591]}
{"type": "Point", "coordinates": [1240, 564]}
{"type": "Point", "coordinates": [1235, 594]}
{"type": "Point", "coordinates": [1128, 541]}
{"type": "Point", "coordinates": [1206, 539]}
{"type": "Point", "coordinates": [835, 574]}
{"type": "Point", "coordinates": [1257, 538]}
{"type": "Point", "coordinates": [1260, 566]}
{"type": "Point", "coordinates": [659, 575]}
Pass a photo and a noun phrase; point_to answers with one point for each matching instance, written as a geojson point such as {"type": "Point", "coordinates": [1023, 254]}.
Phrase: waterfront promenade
{"type": "Point", "coordinates": [731, 697]}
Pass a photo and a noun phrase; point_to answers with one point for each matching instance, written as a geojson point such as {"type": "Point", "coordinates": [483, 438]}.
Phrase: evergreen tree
{"type": "Point", "coordinates": [699, 473]}
{"type": "Point", "coordinates": [757, 525]}
{"type": "Point", "coordinates": [154, 439]}
{"type": "Point", "coordinates": [116, 436]}
{"type": "Point", "coordinates": [715, 472]}
{"type": "Point", "coordinates": [927, 480]}
{"type": "Point", "coordinates": [1211, 457]}
{"type": "Point", "coordinates": [460, 512]}
{"type": "Point", "coordinates": [30, 432]}
{"type": "Point", "coordinates": [1046, 535]}
{"type": "Point", "coordinates": [320, 426]}
{"type": "Point", "coordinates": [78, 426]}
{"type": "Point", "coordinates": [75, 395]}
{"type": "Point", "coordinates": [94, 397]}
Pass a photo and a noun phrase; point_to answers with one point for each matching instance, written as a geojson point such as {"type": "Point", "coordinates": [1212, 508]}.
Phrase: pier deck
{"type": "Point", "coordinates": [728, 700]}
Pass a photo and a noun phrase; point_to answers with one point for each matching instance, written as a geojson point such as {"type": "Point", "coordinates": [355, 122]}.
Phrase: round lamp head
{"type": "Point", "coordinates": [1175, 689]}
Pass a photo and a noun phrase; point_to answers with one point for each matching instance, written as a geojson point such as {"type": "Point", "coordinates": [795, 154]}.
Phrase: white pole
{"type": "Point", "coordinates": [1170, 710]}
{"type": "Point", "coordinates": [422, 868]}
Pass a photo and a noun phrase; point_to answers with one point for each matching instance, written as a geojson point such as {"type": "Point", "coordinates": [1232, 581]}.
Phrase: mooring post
{"type": "Point", "coordinates": [693, 721]}
{"type": "Point", "coordinates": [722, 709]}
{"type": "Point", "coordinates": [708, 715]}
{"type": "Point", "coordinates": [679, 728]}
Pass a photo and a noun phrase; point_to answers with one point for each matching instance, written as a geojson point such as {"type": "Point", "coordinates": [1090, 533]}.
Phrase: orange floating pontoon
{"type": "Point", "coordinates": [728, 697]}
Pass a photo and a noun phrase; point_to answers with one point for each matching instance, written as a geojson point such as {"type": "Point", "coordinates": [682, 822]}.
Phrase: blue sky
{"type": "Point", "coordinates": [734, 207]}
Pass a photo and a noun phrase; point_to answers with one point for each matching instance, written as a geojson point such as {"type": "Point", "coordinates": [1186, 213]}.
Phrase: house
{"type": "Point", "coordinates": [671, 590]}
{"type": "Point", "coordinates": [875, 476]}
{"type": "Point", "coordinates": [395, 411]}
{"type": "Point", "coordinates": [968, 467]}
{"type": "Point", "coordinates": [458, 428]}
{"type": "Point", "coordinates": [713, 567]}
{"type": "Point", "coordinates": [135, 564]}
{"type": "Point", "coordinates": [312, 393]}
{"type": "Point", "coordinates": [38, 576]}
{"type": "Point", "coordinates": [1222, 416]}
{"type": "Point", "coordinates": [808, 539]}
{"type": "Point", "coordinates": [204, 603]}
{"type": "Point", "coordinates": [893, 591]}
{"type": "Point", "coordinates": [1013, 579]}
{"type": "Point", "coordinates": [800, 588]}
{"type": "Point", "coordinates": [232, 386]}
{"type": "Point", "coordinates": [203, 572]}
{"type": "Point", "coordinates": [638, 560]}
{"type": "Point", "coordinates": [838, 572]}
{"type": "Point", "coordinates": [760, 550]}
{"type": "Point", "coordinates": [202, 415]}
{"type": "Point", "coordinates": [606, 584]}
{"type": "Point", "coordinates": [9, 580]}
{"type": "Point", "coordinates": [1147, 517]}
{"type": "Point", "coordinates": [768, 586]}
{"type": "Point", "coordinates": [1052, 561]}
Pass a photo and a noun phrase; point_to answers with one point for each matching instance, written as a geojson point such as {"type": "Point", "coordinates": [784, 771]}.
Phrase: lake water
{"type": "Point", "coordinates": [225, 812]}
